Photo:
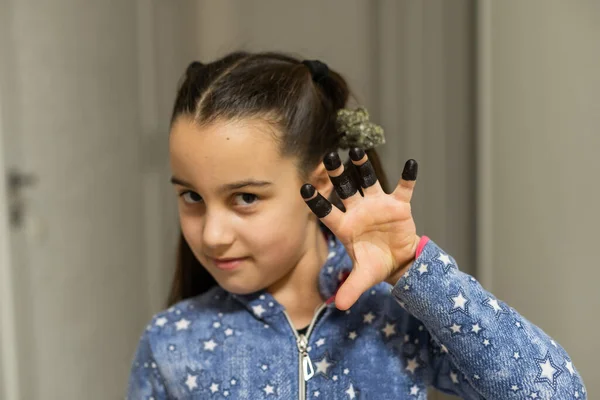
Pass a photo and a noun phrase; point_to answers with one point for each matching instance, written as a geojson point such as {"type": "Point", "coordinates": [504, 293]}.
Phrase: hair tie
{"type": "Point", "coordinates": [194, 67]}
{"type": "Point", "coordinates": [318, 69]}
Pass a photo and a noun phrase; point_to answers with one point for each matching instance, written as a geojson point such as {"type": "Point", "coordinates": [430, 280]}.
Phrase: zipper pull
{"type": "Point", "coordinates": [307, 367]}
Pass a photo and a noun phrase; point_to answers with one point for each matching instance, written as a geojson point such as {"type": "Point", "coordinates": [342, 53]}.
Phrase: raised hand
{"type": "Point", "coordinates": [377, 229]}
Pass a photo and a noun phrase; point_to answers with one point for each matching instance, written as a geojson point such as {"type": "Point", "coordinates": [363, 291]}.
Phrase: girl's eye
{"type": "Point", "coordinates": [245, 199]}
{"type": "Point", "coordinates": [191, 197]}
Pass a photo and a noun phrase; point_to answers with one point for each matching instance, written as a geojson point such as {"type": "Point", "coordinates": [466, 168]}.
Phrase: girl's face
{"type": "Point", "coordinates": [239, 199]}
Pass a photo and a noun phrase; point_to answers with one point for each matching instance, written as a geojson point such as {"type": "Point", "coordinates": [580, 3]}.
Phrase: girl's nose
{"type": "Point", "coordinates": [216, 231]}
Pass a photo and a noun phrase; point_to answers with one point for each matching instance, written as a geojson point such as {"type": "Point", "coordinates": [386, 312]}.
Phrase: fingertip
{"type": "Point", "coordinates": [332, 161]}
{"type": "Point", "coordinates": [411, 168]}
{"type": "Point", "coordinates": [307, 191]}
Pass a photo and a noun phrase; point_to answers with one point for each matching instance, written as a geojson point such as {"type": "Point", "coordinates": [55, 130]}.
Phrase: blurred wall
{"type": "Point", "coordinates": [542, 128]}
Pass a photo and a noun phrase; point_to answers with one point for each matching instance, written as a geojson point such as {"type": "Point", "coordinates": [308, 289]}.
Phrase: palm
{"type": "Point", "coordinates": [377, 233]}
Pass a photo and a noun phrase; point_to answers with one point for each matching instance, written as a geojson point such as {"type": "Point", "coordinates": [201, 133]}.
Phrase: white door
{"type": "Point", "coordinates": [75, 280]}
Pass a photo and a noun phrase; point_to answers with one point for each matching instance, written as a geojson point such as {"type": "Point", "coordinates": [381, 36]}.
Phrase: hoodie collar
{"type": "Point", "coordinates": [335, 270]}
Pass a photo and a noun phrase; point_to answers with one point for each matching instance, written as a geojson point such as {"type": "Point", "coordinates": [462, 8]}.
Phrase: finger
{"type": "Point", "coordinates": [359, 281]}
{"type": "Point", "coordinates": [405, 188]}
{"type": "Point", "coordinates": [321, 207]}
{"type": "Point", "coordinates": [366, 172]}
{"type": "Point", "coordinates": [342, 180]}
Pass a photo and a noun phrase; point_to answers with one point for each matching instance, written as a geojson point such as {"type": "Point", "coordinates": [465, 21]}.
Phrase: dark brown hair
{"type": "Point", "coordinates": [278, 89]}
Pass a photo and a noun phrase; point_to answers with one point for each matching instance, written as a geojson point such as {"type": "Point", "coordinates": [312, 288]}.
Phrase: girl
{"type": "Point", "coordinates": [274, 299]}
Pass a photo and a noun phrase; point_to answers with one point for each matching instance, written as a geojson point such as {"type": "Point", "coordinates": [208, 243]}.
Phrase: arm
{"type": "Point", "coordinates": [476, 346]}
{"type": "Point", "coordinates": [145, 379]}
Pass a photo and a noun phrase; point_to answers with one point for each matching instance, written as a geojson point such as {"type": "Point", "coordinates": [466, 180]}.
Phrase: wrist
{"type": "Point", "coordinates": [403, 267]}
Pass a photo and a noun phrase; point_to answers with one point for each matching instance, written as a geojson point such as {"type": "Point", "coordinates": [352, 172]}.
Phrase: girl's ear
{"type": "Point", "coordinates": [319, 178]}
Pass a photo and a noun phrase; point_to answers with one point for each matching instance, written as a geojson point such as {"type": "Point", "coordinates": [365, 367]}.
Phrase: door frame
{"type": "Point", "coordinates": [8, 344]}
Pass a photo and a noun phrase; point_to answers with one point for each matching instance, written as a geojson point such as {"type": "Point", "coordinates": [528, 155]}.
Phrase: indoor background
{"type": "Point", "coordinates": [498, 101]}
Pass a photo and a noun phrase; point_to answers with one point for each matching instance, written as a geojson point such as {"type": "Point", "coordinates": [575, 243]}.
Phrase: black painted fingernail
{"type": "Point", "coordinates": [411, 168]}
{"type": "Point", "coordinates": [344, 185]}
{"type": "Point", "coordinates": [356, 154]}
{"type": "Point", "coordinates": [320, 206]}
{"type": "Point", "coordinates": [332, 161]}
{"type": "Point", "coordinates": [307, 191]}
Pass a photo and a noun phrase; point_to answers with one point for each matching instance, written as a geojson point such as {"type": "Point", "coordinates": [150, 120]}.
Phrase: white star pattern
{"type": "Point", "coordinates": [182, 324]}
{"type": "Point", "coordinates": [569, 366]}
{"type": "Point", "coordinates": [406, 287]}
{"type": "Point", "coordinates": [228, 332]}
{"type": "Point", "coordinates": [533, 395]}
{"type": "Point", "coordinates": [476, 377]}
{"type": "Point", "coordinates": [493, 304]}
{"type": "Point", "coordinates": [233, 382]}
{"type": "Point", "coordinates": [226, 393]}
{"type": "Point", "coordinates": [351, 393]}
{"type": "Point", "coordinates": [216, 324]}
{"type": "Point", "coordinates": [486, 342]}
{"type": "Point", "coordinates": [161, 321]}
{"type": "Point", "coordinates": [460, 303]}
{"type": "Point", "coordinates": [454, 377]}
{"type": "Point", "coordinates": [368, 318]}
{"type": "Point", "coordinates": [335, 378]}
{"type": "Point", "coordinates": [210, 345]}
{"type": "Point", "coordinates": [191, 382]}
{"type": "Point", "coordinates": [258, 310]}
{"type": "Point", "coordinates": [576, 394]}
{"type": "Point", "coordinates": [476, 328]}
{"type": "Point", "coordinates": [316, 394]}
{"type": "Point", "coordinates": [269, 389]}
{"type": "Point", "coordinates": [389, 330]}
{"type": "Point", "coordinates": [323, 365]}
{"type": "Point", "coordinates": [515, 388]}
{"type": "Point", "coordinates": [264, 367]}
{"type": "Point", "coordinates": [346, 371]}
{"type": "Point", "coordinates": [172, 347]}
{"type": "Point", "coordinates": [446, 260]}
{"type": "Point", "coordinates": [320, 342]}
{"type": "Point", "coordinates": [548, 371]}
{"type": "Point", "coordinates": [412, 365]}
{"type": "Point", "coordinates": [214, 388]}
{"type": "Point", "coordinates": [455, 328]}
{"type": "Point", "coordinates": [423, 269]}
{"type": "Point", "coordinates": [352, 335]}
{"type": "Point", "coordinates": [414, 390]}
{"type": "Point", "coordinates": [516, 355]}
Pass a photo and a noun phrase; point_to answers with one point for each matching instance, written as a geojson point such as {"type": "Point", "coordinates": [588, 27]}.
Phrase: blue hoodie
{"type": "Point", "coordinates": [436, 327]}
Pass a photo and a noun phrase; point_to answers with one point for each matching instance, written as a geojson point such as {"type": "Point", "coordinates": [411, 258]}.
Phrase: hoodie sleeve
{"type": "Point", "coordinates": [474, 345]}
{"type": "Point", "coordinates": [145, 379]}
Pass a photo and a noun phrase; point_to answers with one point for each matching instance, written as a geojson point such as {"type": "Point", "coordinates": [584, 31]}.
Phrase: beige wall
{"type": "Point", "coordinates": [544, 137]}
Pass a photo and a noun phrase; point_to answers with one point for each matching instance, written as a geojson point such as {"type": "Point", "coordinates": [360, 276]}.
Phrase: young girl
{"type": "Point", "coordinates": [279, 293]}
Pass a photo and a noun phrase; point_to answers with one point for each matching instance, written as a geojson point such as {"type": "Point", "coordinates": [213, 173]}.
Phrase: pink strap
{"type": "Point", "coordinates": [422, 243]}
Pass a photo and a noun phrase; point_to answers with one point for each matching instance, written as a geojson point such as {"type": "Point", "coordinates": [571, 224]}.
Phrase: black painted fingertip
{"type": "Point", "coordinates": [367, 174]}
{"type": "Point", "coordinates": [344, 185]}
{"type": "Point", "coordinates": [356, 154]}
{"type": "Point", "coordinates": [332, 161]}
{"type": "Point", "coordinates": [411, 168]}
{"type": "Point", "coordinates": [320, 206]}
{"type": "Point", "coordinates": [307, 191]}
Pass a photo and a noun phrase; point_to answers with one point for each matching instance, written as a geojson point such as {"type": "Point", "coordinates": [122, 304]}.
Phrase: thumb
{"type": "Point", "coordinates": [361, 279]}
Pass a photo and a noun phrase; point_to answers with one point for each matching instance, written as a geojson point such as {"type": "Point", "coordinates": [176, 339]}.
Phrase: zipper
{"type": "Point", "coordinates": [305, 366]}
